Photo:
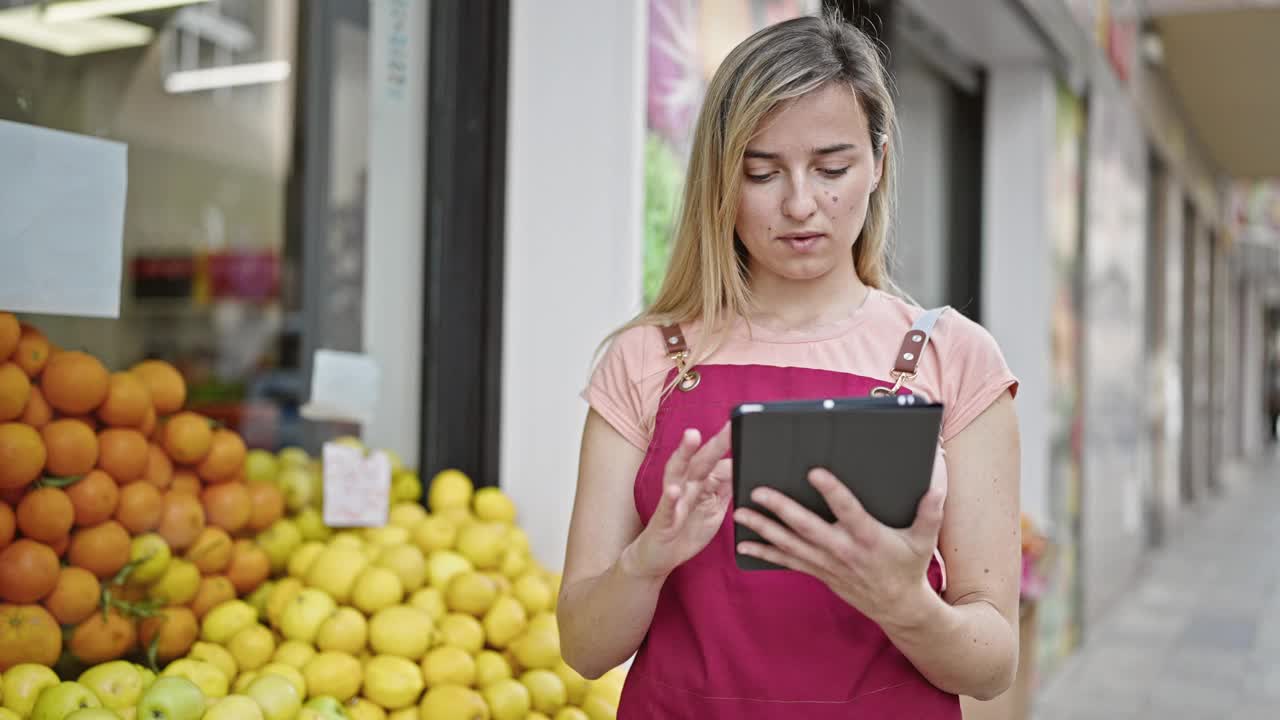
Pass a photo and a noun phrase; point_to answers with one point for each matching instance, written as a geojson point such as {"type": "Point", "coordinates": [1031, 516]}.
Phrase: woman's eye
{"type": "Point", "coordinates": [759, 178]}
{"type": "Point", "coordinates": [834, 172]}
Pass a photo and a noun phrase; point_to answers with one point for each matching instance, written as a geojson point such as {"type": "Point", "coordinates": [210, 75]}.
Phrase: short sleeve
{"type": "Point", "coordinates": [974, 373]}
{"type": "Point", "coordinates": [614, 390]}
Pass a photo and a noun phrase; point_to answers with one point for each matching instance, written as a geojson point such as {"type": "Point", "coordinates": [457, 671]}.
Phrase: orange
{"type": "Point", "coordinates": [182, 520]}
{"type": "Point", "coordinates": [102, 638]}
{"type": "Point", "coordinates": [127, 401]}
{"type": "Point", "coordinates": [212, 592]}
{"type": "Point", "coordinates": [159, 470]}
{"type": "Point", "coordinates": [122, 452]}
{"type": "Point", "coordinates": [211, 551]}
{"type": "Point", "coordinates": [187, 438]}
{"type": "Point", "coordinates": [185, 481]}
{"type": "Point", "coordinates": [8, 523]}
{"type": "Point", "coordinates": [77, 594]}
{"type": "Point", "coordinates": [168, 389]}
{"type": "Point", "coordinates": [89, 420]}
{"type": "Point", "coordinates": [28, 634]}
{"type": "Point", "coordinates": [226, 505]}
{"type": "Point", "coordinates": [32, 352]}
{"type": "Point", "coordinates": [139, 507]}
{"type": "Point", "coordinates": [101, 549]}
{"type": "Point", "coordinates": [61, 545]}
{"type": "Point", "coordinates": [28, 571]}
{"type": "Point", "coordinates": [250, 566]}
{"type": "Point", "coordinates": [15, 391]}
{"type": "Point", "coordinates": [148, 425]}
{"type": "Point", "coordinates": [266, 505]}
{"type": "Point", "coordinates": [225, 458]}
{"type": "Point", "coordinates": [94, 497]}
{"type": "Point", "coordinates": [9, 333]}
{"type": "Point", "coordinates": [74, 382]}
{"type": "Point", "coordinates": [22, 455]}
{"type": "Point", "coordinates": [173, 629]}
{"type": "Point", "coordinates": [46, 514]}
{"type": "Point", "coordinates": [72, 447]}
{"type": "Point", "coordinates": [37, 413]}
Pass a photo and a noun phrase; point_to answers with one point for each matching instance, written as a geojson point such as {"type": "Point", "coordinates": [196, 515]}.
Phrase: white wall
{"type": "Point", "coordinates": [393, 227]}
{"type": "Point", "coordinates": [574, 236]}
{"type": "Point", "coordinates": [1017, 254]}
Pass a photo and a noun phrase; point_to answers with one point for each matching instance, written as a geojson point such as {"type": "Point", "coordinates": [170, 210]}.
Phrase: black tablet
{"type": "Point", "coordinates": [881, 448]}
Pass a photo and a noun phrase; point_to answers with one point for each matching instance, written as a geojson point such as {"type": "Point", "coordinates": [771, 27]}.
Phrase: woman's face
{"type": "Point", "coordinates": [807, 176]}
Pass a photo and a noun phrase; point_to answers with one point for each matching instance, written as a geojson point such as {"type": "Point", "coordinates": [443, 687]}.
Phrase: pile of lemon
{"type": "Point", "coordinates": [442, 614]}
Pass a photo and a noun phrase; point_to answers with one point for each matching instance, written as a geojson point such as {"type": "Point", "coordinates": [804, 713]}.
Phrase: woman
{"type": "Point", "coordinates": [778, 287]}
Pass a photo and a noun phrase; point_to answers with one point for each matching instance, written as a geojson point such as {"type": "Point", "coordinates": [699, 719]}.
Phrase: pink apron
{"type": "Point", "coordinates": [727, 643]}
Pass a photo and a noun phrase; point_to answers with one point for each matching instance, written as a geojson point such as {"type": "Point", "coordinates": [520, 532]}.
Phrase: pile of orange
{"type": "Point", "coordinates": [123, 517]}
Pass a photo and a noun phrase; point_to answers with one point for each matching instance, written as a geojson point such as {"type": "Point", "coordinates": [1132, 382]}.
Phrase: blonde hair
{"type": "Point", "coordinates": [706, 279]}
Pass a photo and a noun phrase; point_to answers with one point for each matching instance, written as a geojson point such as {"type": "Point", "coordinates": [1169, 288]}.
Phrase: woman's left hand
{"type": "Point", "coordinates": [877, 569]}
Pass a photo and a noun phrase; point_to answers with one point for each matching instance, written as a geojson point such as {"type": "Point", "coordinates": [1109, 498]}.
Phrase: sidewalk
{"type": "Point", "coordinates": [1198, 638]}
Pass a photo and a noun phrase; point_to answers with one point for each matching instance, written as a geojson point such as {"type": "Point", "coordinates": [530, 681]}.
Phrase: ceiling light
{"type": "Point", "coordinates": [71, 10]}
{"type": "Point", "coordinates": [25, 25]}
{"type": "Point", "coordinates": [226, 76]}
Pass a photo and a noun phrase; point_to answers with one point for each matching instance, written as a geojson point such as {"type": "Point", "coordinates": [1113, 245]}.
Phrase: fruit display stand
{"type": "Point", "coordinates": [153, 566]}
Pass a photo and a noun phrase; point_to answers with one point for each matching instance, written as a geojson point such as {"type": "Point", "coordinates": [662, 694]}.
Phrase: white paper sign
{"type": "Point", "coordinates": [62, 200]}
{"type": "Point", "coordinates": [344, 387]}
{"type": "Point", "coordinates": [357, 489]}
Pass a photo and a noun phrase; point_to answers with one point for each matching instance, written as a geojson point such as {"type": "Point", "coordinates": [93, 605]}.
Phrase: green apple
{"type": "Point", "coordinates": [277, 697]}
{"type": "Point", "coordinates": [327, 707]}
{"type": "Point", "coordinates": [59, 701]}
{"type": "Point", "coordinates": [295, 482]}
{"type": "Point", "coordinates": [93, 714]}
{"type": "Point", "coordinates": [171, 698]}
{"type": "Point", "coordinates": [118, 684]}
{"type": "Point", "coordinates": [23, 683]}
{"type": "Point", "coordinates": [280, 540]}
{"type": "Point", "coordinates": [148, 676]}
{"type": "Point", "coordinates": [234, 707]}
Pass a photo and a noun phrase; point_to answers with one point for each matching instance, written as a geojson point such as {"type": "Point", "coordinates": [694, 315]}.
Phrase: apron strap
{"type": "Point", "coordinates": [913, 344]}
{"type": "Point", "coordinates": [678, 350]}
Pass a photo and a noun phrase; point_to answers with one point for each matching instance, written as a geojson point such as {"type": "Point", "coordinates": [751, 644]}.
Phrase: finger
{"type": "Point", "coordinates": [801, 520]}
{"type": "Point", "coordinates": [721, 474]}
{"type": "Point", "coordinates": [782, 538]}
{"type": "Point", "coordinates": [778, 557]}
{"type": "Point", "coordinates": [844, 505]}
{"type": "Point", "coordinates": [665, 514]}
{"type": "Point", "coordinates": [678, 463]}
{"type": "Point", "coordinates": [928, 522]}
{"type": "Point", "coordinates": [710, 453]}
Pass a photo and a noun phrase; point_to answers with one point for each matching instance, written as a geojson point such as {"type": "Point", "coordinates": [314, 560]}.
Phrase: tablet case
{"type": "Point", "coordinates": [881, 448]}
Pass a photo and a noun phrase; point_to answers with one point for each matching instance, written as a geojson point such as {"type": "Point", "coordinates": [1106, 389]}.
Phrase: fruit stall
{"type": "Point", "coordinates": [153, 567]}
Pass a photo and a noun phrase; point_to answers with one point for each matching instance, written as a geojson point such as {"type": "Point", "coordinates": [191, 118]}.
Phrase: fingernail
{"type": "Point", "coordinates": [740, 516]}
{"type": "Point", "coordinates": [745, 549]}
{"type": "Point", "coordinates": [760, 495]}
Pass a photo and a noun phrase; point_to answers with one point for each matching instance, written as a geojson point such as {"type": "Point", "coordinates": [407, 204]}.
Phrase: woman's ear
{"type": "Point", "coordinates": [882, 149]}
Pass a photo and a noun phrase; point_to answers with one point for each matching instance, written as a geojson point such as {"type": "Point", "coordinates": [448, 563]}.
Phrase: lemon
{"type": "Point", "coordinates": [608, 686]}
{"type": "Point", "coordinates": [493, 505]}
{"type": "Point", "coordinates": [227, 619]}
{"type": "Point", "coordinates": [392, 682]}
{"type": "Point", "coordinates": [449, 488]}
{"type": "Point", "coordinates": [508, 700]}
{"type": "Point", "coordinates": [490, 668]}
{"type": "Point", "coordinates": [434, 533]}
{"type": "Point", "coordinates": [243, 681]}
{"type": "Point", "coordinates": [178, 584]}
{"type": "Point", "coordinates": [150, 555]}
{"type": "Point", "coordinates": [291, 456]}
{"type": "Point", "coordinates": [443, 565]}
{"type": "Point", "coordinates": [361, 709]}
{"type": "Point", "coordinates": [345, 630]}
{"type": "Point", "coordinates": [302, 558]}
{"type": "Point", "coordinates": [377, 588]}
{"type": "Point", "coordinates": [406, 514]}
{"type": "Point", "coordinates": [449, 665]}
{"type": "Point", "coordinates": [453, 702]}
{"type": "Point", "coordinates": [504, 622]}
{"type": "Point", "coordinates": [387, 535]}
{"type": "Point", "coordinates": [208, 678]}
{"type": "Point", "coordinates": [406, 486]}
{"type": "Point", "coordinates": [333, 673]}
{"type": "Point", "coordinates": [575, 685]}
{"type": "Point", "coordinates": [409, 713]}
{"type": "Point", "coordinates": [572, 713]}
{"type": "Point", "coordinates": [431, 601]}
{"type": "Point", "coordinates": [335, 571]}
{"type": "Point", "coordinates": [401, 630]}
{"type": "Point", "coordinates": [347, 539]}
{"type": "Point", "coordinates": [293, 653]}
{"type": "Point", "coordinates": [504, 582]}
{"type": "Point", "coordinates": [461, 517]}
{"type": "Point", "coordinates": [310, 523]}
{"type": "Point", "coordinates": [547, 690]}
{"type": "Point", "coordinates": [258, 598]}
{"type": "Point", "coordinates": [217, 656]}
{"type": "Point", "coordinates": [260, 466]}
{"type": "Point", "coordinates": [280, 541]}
{"type": "Point", "coordinates": [282, 594]}
{"type": "Point", "coordinates": [462, 631]}
{"type": "Point", "coordinates": [544, 621]}
{"type": "Point", "coordinates": [233, 707]}
{"type": "Point", "coordinates": [483, 544]}
{"type": "Point", "coordinates": [407, 562]}
{"type": "Point", "coordinates": [252, 647]}
{"type": "Point", "coordinates": [471, 593]}
{"type": "Point", "coordinates": [518, 539]}
{"type": "Point", "coordinates": [301, 621]}
{"type": "Point", "coordinates": [288, 672]}
{"type": "Point", "coordinates": [537, 649]}
{"type": "Point", "coordinates": [533, 593]}
{"type": "Point", "coordinates": [514, 563]}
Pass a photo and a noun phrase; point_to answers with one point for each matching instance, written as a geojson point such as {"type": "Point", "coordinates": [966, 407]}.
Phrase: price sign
{"type": "Point", "coordinates": [357, 488]}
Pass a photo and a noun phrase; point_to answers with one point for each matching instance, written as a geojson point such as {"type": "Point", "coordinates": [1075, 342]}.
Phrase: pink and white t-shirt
{"type": "Point", "coordinates": [962, 366]}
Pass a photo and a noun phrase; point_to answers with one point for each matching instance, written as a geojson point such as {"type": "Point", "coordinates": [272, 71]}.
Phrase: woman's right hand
{"type": "Point", "coordinates": [696, 493]}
